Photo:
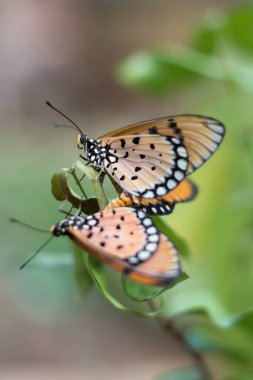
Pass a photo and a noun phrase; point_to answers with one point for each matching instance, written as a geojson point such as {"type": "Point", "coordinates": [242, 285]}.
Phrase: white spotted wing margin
{"type": "Point", "coordinates": [127, 240]}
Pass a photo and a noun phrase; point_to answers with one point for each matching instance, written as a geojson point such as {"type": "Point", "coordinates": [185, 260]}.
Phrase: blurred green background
{"type": "Point", "coordinates": [107, 64]}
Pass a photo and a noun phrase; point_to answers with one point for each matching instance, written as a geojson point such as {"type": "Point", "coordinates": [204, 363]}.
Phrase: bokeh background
{"type": "Point", "coordinates": [107, 64]}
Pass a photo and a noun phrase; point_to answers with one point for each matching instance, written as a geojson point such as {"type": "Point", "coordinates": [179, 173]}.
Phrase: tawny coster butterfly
{"type": "Point", "coordinates": [126, 239]}
{"type": "Point", "coordinates": [150, 159]}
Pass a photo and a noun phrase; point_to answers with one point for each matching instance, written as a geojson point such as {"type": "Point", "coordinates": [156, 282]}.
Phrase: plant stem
{"type": "Point", "coordinates": [92, 175]}
{"type": "Point", "coordinates": [167, 324]}
{"type": "Point", "coordinates": [73, 173]}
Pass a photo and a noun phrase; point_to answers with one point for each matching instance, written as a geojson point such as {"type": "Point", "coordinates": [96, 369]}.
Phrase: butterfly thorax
{"type": "Point", "coordinates": [96, 152]}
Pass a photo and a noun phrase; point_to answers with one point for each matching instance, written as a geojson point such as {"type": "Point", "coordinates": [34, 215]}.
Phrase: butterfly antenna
{"type": "Point", "coordinates": [66, 117]}
{"type": "Point", "coordinates": [14, 220]}
{"type": "Point", "coordinates": [36, 253]}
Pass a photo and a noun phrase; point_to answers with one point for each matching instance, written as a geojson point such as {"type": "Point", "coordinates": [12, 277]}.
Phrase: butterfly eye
{"type": "Point", "coordinates": [81, 140]}
{"type": "Point", "coordinates": [53, 229]}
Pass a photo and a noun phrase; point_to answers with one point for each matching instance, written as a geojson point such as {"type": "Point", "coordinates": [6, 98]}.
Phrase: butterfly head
{"type": "Point", "coordinates": [62, 228]}
{"type": "Point", "coordinates": [81, 140]}
{"type": "Point", "coordinates": [59, 229]}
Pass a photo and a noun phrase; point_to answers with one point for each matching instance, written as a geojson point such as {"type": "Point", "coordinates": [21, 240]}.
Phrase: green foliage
{"type": "Point", "coordinates": [152, 71]}
{"type": "Point", "coordinates": [214, 72]}
{"type": "Point", "coordinates": [221, 49]}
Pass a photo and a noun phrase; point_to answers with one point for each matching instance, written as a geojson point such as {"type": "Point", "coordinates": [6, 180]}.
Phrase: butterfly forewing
{"type": "Point", "coordinates": [117, 231]}
{"type": "Point", "coordinates": [201, 135]}
{"type": "Point", "coordinates": [126, 239]}
{"type": "Point", "coordinates": [145, 165]}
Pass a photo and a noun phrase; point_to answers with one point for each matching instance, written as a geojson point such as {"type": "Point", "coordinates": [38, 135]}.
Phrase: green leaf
{"type": "Point", "coordinates": [179, 242]}
{"type": "Point", "coordinates": [239, 28]}
{"type": "Point", "coordinates": [139, 292]}
{"type": "Point", "coordinates": [234, 26]}
{"type": "Point", "coordinates": [186, 373]}
{"type": "Point", "coordinates": [58, 185]}
{"type": "Point", "coordinates": [151, 72]}
{"type": "Point", "coordinates": [96, 271]}
{"type": "Point", "coordinates": [207, 36]}
{"type": "Point", "coordinates": [61, 189]}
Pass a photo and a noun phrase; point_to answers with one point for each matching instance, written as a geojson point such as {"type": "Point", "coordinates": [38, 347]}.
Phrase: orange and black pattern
{"type": "Point", "coordinates": [127, 240]}
{"type": "Point", "coordinates": [151, 158]}
{"type": "Point", "coordinates": [184, 192]}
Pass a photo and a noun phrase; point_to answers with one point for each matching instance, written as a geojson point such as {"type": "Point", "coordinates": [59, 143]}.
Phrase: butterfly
{"type": "Point", "coordinates": [126, 239]}
{"type": "Point", "coordinates": [148, 160]}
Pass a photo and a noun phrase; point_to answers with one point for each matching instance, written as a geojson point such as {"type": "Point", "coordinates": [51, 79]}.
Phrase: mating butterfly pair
{"type": "Point", "coordinates": [149, 162]}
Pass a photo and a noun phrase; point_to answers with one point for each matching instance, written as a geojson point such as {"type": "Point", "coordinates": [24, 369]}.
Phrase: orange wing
{"type": "Point", "coordinates": [184, 192]}
{"type": "Point", "coordinates": [201, 135]}
{"type": "Point", "coordinates": [126, 239]}
{"type": "Point", "coordinates": [162, 268]}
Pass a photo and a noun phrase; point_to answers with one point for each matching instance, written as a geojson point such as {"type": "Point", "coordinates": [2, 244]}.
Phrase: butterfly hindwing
{"type": "Point", "coordinates": [184, 192]}
{"type": "Point", "coordinates": [125, 239]}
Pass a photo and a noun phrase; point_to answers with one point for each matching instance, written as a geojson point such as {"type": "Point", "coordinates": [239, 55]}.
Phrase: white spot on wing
{"type": "Point", "coordinates": [92, 222]}
{"type": "Point", "coordinates": [179, 175]}
{"type": "Point", "coordinates": [151, 230]}
{"type": "Point", "coordinates": [141, 214]}
{"type": "Point", "coordinates": [144, 255]}
{"type": "Point", "coordinates": [112, 159]}
{"type": "Point", "coordinates": [151, 247]}
{"type": "Point", "coordinates": [133, 260]}
{"type": "Point", "coordinates": [182, 164]}
{"type": "Point", "coordinates": [161, 190]}
{"type": "Point", "coordinates": [171, 184]}
{"type": "Point", "coordinates": [182, 151]}
{"type": "Point", "coordinates": [175, 140]}
{"type": "Point", "coordinates": [147, 222]}
{"type": "Point", "coordinates": [153, 238]}
{"type": "Point", "coordinates": [149, 194]}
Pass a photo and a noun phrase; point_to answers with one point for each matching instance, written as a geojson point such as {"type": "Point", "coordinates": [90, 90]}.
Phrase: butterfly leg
{"type": "Point", "coordinates": [83, 158]}
{"type": "Point", "coordinates": [67, 213]}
